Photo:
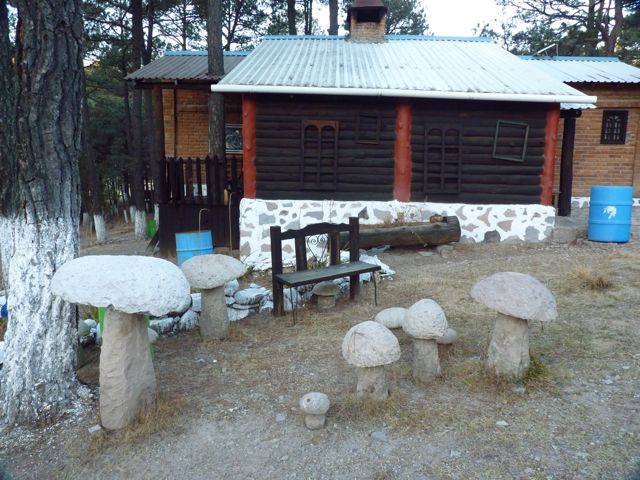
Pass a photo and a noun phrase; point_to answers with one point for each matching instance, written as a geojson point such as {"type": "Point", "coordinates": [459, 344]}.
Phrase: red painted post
{"type": "Point", "coordinates": [249, 145]}
{"type": "Point", "coordinates": [548, 168]}
{"type": "Point", "coordinates": [402, 153]}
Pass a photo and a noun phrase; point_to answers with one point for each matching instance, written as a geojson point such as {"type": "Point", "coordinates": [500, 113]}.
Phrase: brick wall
{"type": "Point", "coordinates": [186, 127]}
{"type": "Point", "coordinates": [593, 162]}
{"type": "Point", "coordinates": [367, 31]}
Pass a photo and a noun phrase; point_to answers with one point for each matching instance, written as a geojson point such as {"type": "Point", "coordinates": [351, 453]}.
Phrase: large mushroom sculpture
{"type": "Point", "coordinates": [209, 273]}
{"type": "Point", "coordinates": [518, 298]}
{"type": "Point", "coordinates": [370, 346]}
{"type": "Point", "coordinates": [129, 287]}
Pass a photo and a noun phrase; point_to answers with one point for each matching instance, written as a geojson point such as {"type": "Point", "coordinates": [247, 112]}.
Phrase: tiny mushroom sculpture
{"type": "Point", "coordinates": [129, 287]}
{"type": "Point", "coordinates": [425, 322]}
{"type": "Point", "coordinates": [209, 273]}
{"type": "Point", "coordinates": [314, 405]}
{"type": "Point", "coordinates": [391, 317]}
{"type": "Point", "coordinates": [326, 293]}
{"type": "Point", "coordinates": [517, 298]}
{"type": "Point", "coordinates": [370, 346]}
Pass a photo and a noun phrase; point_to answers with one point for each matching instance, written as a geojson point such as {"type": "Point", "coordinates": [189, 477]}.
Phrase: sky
{"type": "Point", "coordinates": [459, 17]}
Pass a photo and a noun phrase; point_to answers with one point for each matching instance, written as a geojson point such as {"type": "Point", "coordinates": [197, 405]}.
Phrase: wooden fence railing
{"type": "Point", "coordinates": [201, 181]}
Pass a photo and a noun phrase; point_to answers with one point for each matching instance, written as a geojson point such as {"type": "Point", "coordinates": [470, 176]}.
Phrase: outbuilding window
{"type": "Point", "coordinates": [368, 128]}
{"type": "Point", "coordinates": [319, 163]}
{"type": "Point", "coordinates": [442, 170]}
{"type": "Point", "coordinates": [614, 126]}
{"type": "Point", "coordinates": [510, 141]}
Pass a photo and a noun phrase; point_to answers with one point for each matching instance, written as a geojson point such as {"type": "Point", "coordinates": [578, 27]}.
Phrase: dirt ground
{"type": "Point", "coordinates": [228, 409]}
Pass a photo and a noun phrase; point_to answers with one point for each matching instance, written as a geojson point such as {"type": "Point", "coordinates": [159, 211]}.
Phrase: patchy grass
{"type": "Point", "coordinates": [537, 374]}
{"type": "Point", "coordinates": [587, 277]}
{"type": "Point", "coordinates": [3, 328]}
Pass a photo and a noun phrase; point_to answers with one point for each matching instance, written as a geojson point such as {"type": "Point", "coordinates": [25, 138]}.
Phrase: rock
{"type": "Point", "coordinates": [95, 429]}
{"type": "Point", "coordinates": [426, 320]}
{"type": "Point", "coordinates": [237, 306]}
{"type": "Point", "coordinates": [378, 436]}
{"type": "Point", "coordinates": [188, 321]}
{"type": "Point", "coordinates": [163, 325]}
{"type": "Point", "coordinates": [196, 302]}
{"type": "Point", "coordinates": [502, 423]}
{"type": "Point", "coordinates": [492, 236]}
{"type": "Point", "coordinates": [281, 417]}
{"type": "Point", "coordinates": [444, 250]}
{"type": "Point", "coordinates": [84, 330]}
{"type": "Point", "coordinates": [291, 297]}
{"type": "Point", "coordinates": [448, 338]}
{"type": "Point", "coordinates": [266, 307]}
{"type": "Point", "coordinates": [326, 289]}
{"type": "Point", "coordinates": [211, 271]}
{"type": "Point", "coordinates": [425, 253]}
{"type": "Point", "coordinates": [153, 336]}
{"type": "Point", "coordinates": [229, 301]}
{"type": "Point", "coordinates": [231, 287]}
{"type": "Point", "coordinates": [250, 296]}
{"type": "Point", "coordinates": [517, 295]}
{"type": "Point", "coordinates": [235, 315]}
{"type": "Point", "coordinates": [126, 283]}
{"type": "Point", "coordinates": [370, 344]}
{"type": "Point", "coordinates": [91, 323]}
{"type": "Point", "coordinates": [391, 317]}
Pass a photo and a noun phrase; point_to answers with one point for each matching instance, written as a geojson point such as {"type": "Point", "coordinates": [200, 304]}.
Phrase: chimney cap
{"type": "Point", "coordinates": [366, 5]}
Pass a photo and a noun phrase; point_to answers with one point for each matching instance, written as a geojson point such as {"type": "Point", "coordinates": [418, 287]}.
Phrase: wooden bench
{"type": "Point", "coordinates": [303, 275]}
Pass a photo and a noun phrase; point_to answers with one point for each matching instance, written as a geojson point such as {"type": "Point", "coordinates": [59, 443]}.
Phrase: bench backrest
{"type": "Point", "coordinates": [299, 237]}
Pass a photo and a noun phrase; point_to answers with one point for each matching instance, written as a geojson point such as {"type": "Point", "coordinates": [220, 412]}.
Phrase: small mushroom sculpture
{"type": "Point", "coordinates": [370, 346]}
{"type": "Point", "coordinates": [129, 287]}
{"type": "Point", "coordinates": [425, 322]}
{"type": "Point", "coordinates": [314, 405]}
{"type": "Point", "coordinates": [326, 293]}
{"type": "Point", "coordinates": [518, 298]}
{"type": "Point", "coordinates": [209, 273]}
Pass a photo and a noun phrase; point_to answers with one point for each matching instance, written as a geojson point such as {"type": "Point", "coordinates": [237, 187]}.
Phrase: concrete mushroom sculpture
{"type": "Point", "coordinates": [314, 405]}
{"type": "Point", "coordinates": [209, 273]}
{"type": "Point", "coordinates": [425, 322]}
{"type": "Point", "coordinates": [326, 293]}
{"type": "Point", "coordinates": [391, 317]}
{"type": "Point", "coordinates": [129, 287]}
{"type": "Point", "coordinates": [518, 298]}
{"type": "Point", "coordinates": [370, 346]}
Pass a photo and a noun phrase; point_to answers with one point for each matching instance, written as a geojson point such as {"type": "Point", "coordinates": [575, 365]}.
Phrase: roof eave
{"type": "Point", "coordinates": [370, 92]}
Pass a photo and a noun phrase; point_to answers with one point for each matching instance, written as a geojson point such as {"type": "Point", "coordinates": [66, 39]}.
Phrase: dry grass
{"type": "Point", "coordinates": [3, 328]}
{"type": "Point", "coordinates": [586, 277]}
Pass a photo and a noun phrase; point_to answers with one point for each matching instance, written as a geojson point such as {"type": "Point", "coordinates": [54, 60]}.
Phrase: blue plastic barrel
{"type": "Point", "coordinates": [190, 244]}
{"type": "Point", "coordinates": [610, 214]}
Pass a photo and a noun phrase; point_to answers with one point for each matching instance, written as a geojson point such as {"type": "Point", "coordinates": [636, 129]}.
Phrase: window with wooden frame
{"type": "Point", "coordinates": [614, 127]}
{"type": "Point", "coordinates": [510, 141]}
{"type": "Point", "coordinates": [368, 128]}
{"type": "Point", "coordinates": [442, 170]}
{"type": "Point", "coordinates": [319, 162]}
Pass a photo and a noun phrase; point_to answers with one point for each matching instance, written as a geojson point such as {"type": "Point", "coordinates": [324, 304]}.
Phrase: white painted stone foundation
{"type": "Point", "coordinates": [532, 223]}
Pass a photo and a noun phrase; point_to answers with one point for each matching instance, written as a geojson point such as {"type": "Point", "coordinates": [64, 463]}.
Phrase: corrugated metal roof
{"type": "Point", "coordinates": [587, 69]}
{"type": "Point", "coordinates": [183, 65]}
{"type": "Point", "coordinates": [409, 65]}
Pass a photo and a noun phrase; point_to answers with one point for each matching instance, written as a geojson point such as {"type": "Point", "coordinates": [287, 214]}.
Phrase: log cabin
{"type": "Point", "coordinates": [389, 126]}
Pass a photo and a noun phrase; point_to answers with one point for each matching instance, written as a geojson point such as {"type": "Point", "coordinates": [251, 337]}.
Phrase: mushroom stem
{"type": "Point", "coordinates": [372, 383]}
{"type": "Point", "coordinates": [314, 422]}
{"type": "Point", "coordinates": [127, 379]}
{"type": "Point", "coordinates": [214, 321]}
{"type": "Point", "coordinates": [326, 302]}
{"type": "Point", "coordinates": [509, 347]}
{"type": "Point", "coordinates": [426, 363]}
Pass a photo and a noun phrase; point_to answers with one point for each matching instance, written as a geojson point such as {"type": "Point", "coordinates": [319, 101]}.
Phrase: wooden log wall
{"type": "Point", "coordinates": [365, 171]}
{"type": "Point", "coordinates": [484, 179]}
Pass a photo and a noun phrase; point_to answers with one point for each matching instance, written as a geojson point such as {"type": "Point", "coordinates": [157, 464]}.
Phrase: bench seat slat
{"type": "Point", "coordinates": [304, 277]}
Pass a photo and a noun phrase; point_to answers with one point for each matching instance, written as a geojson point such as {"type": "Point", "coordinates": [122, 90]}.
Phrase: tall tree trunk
{"type": "Point", "coordinates": [216, 70]}
{"type": "Point", "coordinates": [39, 226]}
{"type": "Point", "coordinates": [137, 170]}
{"type": "Point", "coordinates": [333, 17]}
{"type": "Point", "coordinates": [291, 17]}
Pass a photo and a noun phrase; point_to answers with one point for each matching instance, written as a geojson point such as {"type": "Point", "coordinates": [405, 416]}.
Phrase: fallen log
{"type": "Point", "coordinates": [413, 235]}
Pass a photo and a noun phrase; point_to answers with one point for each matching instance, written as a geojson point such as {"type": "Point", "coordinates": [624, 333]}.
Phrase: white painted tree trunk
{"type": "Point", "coordinates": [39, 371]}
{"type": "Point", "coordinates": [156, 214]}
{"type": "Point", "coordinates": [125, 214]}
{"type": "Point", "coordinates": [86, 219]}
{"type": "Point", "coordinates": [140, 224]}
{"type": "Point", "coordinates": [101, 228]}
{"type": "Point", "coordinates": [132, 214]}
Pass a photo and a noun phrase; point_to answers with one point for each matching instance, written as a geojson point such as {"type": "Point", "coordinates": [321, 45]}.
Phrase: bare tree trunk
{"type": "Point", "coordinates": [216, 70]}
{"type": "Point", "coordinates": [39, 226]}
{"type": "Point", "coordinates": [333, 17]}
{"type": "Point", "coordinates": [291, 17]}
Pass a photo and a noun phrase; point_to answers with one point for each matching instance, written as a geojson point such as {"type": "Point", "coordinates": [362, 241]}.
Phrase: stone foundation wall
{"type": "Point", "coordinates": [532, 223]}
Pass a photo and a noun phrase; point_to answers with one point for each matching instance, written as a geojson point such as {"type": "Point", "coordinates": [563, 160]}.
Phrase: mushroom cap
{"type": "Point", "coordinates": [129, 284]}
{"type": "Point", "coordinates": [425, 320]}
{"type": "Point", "coordinates": [370, 344]}
{"type": "Point", "coordinates": [211, 271]}
{"type": "Point", "coordinates": [326, 289]}
{"type": "Point", "coordinates": [517, 295]}
{"type": "Point", "coordinates": [448, 338]}
{"type": "Point", "coordinates": [315, 403]}
{"type": "Point", "coordinates": [391, 317]}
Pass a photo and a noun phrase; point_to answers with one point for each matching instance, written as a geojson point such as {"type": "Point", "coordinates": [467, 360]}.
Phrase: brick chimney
{"type": "Point", "coordinates": [367, 20]}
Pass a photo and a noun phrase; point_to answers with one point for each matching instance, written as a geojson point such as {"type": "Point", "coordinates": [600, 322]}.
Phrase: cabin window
{"type": "Point", "coordinates": [442, 172]}
{"type": "Point", "coordinates": [510, 141]}
{"type": "Point", "coordinates": [319, 163]}
{"type": "Point", "coordinates": [368, 128]}
{"type": "Point", "coordinates": [614, 126]}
